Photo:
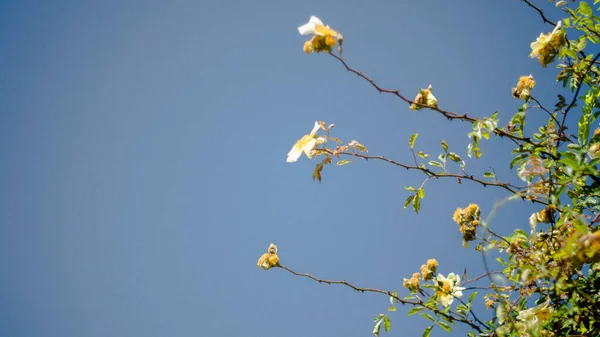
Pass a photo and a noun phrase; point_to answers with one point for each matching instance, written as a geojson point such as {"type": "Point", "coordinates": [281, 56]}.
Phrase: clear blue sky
{"type": "Point", "coordinates": [143, 171]}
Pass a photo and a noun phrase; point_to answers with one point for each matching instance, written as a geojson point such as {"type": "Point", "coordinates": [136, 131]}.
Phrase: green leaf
{"type": "Point", "coordinates": [386, 323]}
{"type": "Point", "coordinates": [435, 163]}
{"type": "Point", "coordinates": [489, 175]}
{"type": "Point", "coordinates": [422, 154]}
{"type": "Point", "coordinates": [415, 310]}
{"type": "Point", "coordinates": [517, 159]}
{"type": "Point", "coordinates": [343, 162]}
{"type": "Point", "coordinates": [421, 193]}
{"type": "Point", "coordinates": [585, 9]}
{"type": "Point", "coordinates": [445, 326]}
{"type": "Point", "coordinates": [584, 130]}
{"type": "Point", "coordinates": [392, 308]}
{"type": "Point", "coordinates": [395, 294]}
{"type": "Point", "coordinates": [427, 331]}
{"type": "Point", "coordinates": [410, 188]}
{"type": "Point", "coordinates": [444, 145]}
{"type": "Point", "coordinates": [454, 157]}
{"type": "Point", "coordinates": [417, 204]}
{"type": "Point", "coordinates": [408, 200]}
{"type": "Point", "coordinates": [472, 297]}
{"type": "Point", "coordinates": [428, 316]}
{"type": "Point", "coordinates": [570, 160]}
{"type": "Point", "coordinates": [411, 142]}
{"type": "Point", "coordinates": [377, 327]}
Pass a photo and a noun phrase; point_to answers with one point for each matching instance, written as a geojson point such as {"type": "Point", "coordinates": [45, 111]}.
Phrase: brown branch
{"type": "Point", "coordinates": [448, 114]}
{"type": "Point", "coordinates": [363, 290]}
{"type": "Point", "coordinates": [388, 293]}
{"type": "Point", "coordinates": [430, 173]}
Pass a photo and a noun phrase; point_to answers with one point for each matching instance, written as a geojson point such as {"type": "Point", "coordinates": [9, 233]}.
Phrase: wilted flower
{"type": "Point", "coordinates": [468, 221]}
{"type": "Point", "coordinates": [546, 47]}
{"type": "Point", "coordinates": [305, 144]}
{"type": "Point", "coordinates": [429, 269]}
{"type": "Point", "coordinates": [324, 38]}
{"type": "Point", "coordinates": [531, 168]}
{"type": "Point", "coordinates": [594, 151]}
{"type": "Point", "coordinates": [588, 247]}
{"type": "Point", "coordinates": [524, 86]}
{"type": "Point", "coordinates": [425, 97]}
{"type": "Point", "coordinates": [412, 284]}
{"type": "Point", "coordinates": [269, 259]}
{"type": "Point", "coordinates": [447, 289]}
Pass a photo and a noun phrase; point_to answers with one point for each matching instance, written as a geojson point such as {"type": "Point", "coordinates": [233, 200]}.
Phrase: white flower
{"type": "Point", "coordinates": [544, 40]}
{"type": "Point", "coordinates": [305, 144]}
{"type": "Point", "coordinates": [533, 221]}
{"type": "Point", "coordinates": [316, 27]}
{"type": "Point", "coordinates": [448, 289]}
{"type": "Point", "coordinates": [311, 26]}
{"type": "Point", "coordinates": [535, 317]}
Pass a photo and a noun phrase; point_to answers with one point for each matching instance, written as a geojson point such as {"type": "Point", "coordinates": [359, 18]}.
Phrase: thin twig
{"type": "Point", "coordinates": [448, 114]}
{"type": "Point", "coordinates": [480, 277]}
{"type": "Point", "coordinates": [388, 293]}
{"type": "Point", "coordinates": [580, 82]}
{"type": "Point", "coordinates": [428, 172]}
{"type": "Point", "coordinates": [539, 10]}
{"type": "Point", "coordinates": [548, 111]}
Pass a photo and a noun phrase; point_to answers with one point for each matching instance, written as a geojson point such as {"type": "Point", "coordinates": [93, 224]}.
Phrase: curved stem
{"type": "Point", "coordinates": [430, 173]}
{"type": "Point", "coordinates": [448, 114]}
{"type": "Point", "coordinates": [388, 293]}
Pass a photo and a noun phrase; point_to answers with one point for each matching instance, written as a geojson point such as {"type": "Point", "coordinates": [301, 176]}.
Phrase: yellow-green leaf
{"type": "Point", "coordinates": [411, 142]}
{"type": "Point", "coordinates": [444, 145]}
{"type": "Point", "coordinates": [445, 326]}
{"type": "Point", "coordinates": [417, 203]}
{"type": "Point", "coordinates": [355, 144]}
{"type": "Point", "coordinates": [415, 310]}
{"type": "Point", "coordinates": [427, 331]}
{"type": "Point", "coordinates": [408, 200]}
{"type": "Point", "coordinates": [585, 9]}
{"type": "Point", "coordinates": [343, 162]}
{"type": "Point", "coordinates": [454, 157]}
{"type": "Point", "coordinates": [422, 154]}
{"type": "Point", "coordinates": [421, 193]}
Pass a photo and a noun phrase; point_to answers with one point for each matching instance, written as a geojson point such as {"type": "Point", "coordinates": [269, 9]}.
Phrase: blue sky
{"type": "Point", "coordinates": [143, 160]}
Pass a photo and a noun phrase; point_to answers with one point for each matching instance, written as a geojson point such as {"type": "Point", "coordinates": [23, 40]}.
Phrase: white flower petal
{"type": "Point", "coordinates": [315, 129]}
{"type": "Point", "coordinates": [307, 29]}
{"type": "Point", "coordinates": [294, 154]}
{"type": "Point", "coordinates": [310, 27]}
{"type": "Point", "coordinates": [317, 22]}
{"type": "Point", "coordinates": [309, 147]}
{"type": "Point", "coordinates": [556, 28]}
